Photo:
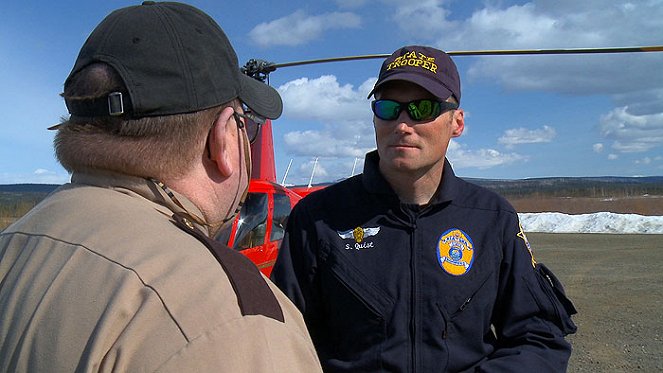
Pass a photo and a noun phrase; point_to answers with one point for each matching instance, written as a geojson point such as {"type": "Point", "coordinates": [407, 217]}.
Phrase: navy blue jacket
{"type": "Point", "coordinates": [451, 286]}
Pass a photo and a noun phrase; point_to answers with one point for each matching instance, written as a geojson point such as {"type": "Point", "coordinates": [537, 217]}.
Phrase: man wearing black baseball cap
{"type": "Point", "coordinates": [116, 271]}
{"type": "Point", "coordinates": [409, 268]}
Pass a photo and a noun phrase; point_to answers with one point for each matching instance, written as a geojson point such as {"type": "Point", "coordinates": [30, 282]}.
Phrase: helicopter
{"type": "Point", "coordinates": [259, 228]}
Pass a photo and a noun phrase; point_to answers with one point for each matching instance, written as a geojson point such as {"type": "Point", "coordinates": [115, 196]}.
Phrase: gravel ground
{"type": "Point", "coordinates": [616, 283]}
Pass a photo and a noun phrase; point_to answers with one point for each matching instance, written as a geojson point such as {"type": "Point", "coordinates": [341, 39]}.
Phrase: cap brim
{"type": "Point", "coordinates": [261, 98]}
{"type": "Point", "coordinates": [434, 87]}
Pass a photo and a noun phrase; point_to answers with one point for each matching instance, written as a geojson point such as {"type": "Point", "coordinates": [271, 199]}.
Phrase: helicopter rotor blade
{"type": "Point", "coordinates": [332, 59]}
{"type": "Point", "coordinates": [260, 69]}
{"type": "Point", "coordinates": [496, 52]}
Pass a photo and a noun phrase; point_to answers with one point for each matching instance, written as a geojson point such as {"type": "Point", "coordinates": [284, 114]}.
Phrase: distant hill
{"type": "Point", "coordinates": [17, 199]}
{"type": "Point", "coordinates": [608, 186]}
{"type": "Point", "coordinates": [28, 188]}
{"type": "Point", "coordinates": [574, 195]}
{"type": "Point", "coordinates": [594, 187]}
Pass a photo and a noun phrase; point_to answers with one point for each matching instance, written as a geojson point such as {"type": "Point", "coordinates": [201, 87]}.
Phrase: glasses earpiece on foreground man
{"type": "Point", "coordinates": [252, 122]}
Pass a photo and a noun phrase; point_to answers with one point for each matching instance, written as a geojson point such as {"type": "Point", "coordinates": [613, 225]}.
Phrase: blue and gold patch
{"type": "Point", "coordinates": [455, 252]}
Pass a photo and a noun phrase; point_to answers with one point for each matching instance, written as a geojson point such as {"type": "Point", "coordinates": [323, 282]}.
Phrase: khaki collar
{"type": "Point", "coordinates": [146, 189]}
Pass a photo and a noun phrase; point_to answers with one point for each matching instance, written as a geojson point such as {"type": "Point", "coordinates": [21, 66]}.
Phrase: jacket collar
{"type": "Point", "coordinates": [141, 188]}
{"type": "Point", "coordinates": [375, 183]}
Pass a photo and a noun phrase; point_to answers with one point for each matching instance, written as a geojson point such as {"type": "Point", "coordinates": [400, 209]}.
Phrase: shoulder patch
{"type": "Point", "coordinates": [455, 252]}
{"type": "Point", "coordinates": [522, 236]}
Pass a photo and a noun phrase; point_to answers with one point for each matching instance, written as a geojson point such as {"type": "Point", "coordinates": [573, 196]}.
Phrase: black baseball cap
{"type": "Point", "coordinates": [173, 59]}
{"type": "Point", "coordinates": [430, 68]}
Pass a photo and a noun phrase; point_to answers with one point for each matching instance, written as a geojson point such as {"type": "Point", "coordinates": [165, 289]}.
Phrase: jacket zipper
{"type": "Point", "coordinates": [413, 279]}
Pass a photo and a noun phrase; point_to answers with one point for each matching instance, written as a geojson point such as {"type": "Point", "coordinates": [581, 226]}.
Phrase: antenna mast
{"type": "Point", "coordinates": [354, 166]}
{"type": "Point", "coordinates": [286, 172]}
{"type": "Point", "coordinates": [313, 172]}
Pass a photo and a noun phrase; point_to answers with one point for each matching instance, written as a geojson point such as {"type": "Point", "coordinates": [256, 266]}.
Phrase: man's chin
{"type": "Point", "coordinates": [401, 164]}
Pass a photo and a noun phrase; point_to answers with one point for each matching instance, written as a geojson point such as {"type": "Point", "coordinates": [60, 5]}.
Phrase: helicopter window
{"type": "Point", "coordinates": [281, 212]}
{"type": "Point", "coordinates": [252, 222]}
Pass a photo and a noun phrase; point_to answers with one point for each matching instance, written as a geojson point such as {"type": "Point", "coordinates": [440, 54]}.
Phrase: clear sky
{"type": "Point", "coordinates": [526, 116]}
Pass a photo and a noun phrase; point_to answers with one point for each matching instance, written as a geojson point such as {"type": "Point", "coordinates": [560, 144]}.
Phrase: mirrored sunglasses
{"type": "Point", "coordinates": [418, 110]}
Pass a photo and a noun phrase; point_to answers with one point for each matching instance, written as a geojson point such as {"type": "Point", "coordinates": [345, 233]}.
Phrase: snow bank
{"type": "Point", "coordinates": [601, 222]}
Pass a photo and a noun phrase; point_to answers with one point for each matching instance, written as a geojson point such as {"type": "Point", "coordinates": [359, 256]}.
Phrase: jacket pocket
{"type": "Point", "coordinates": [356, 312]}
{"type": "Point", "coordinates": [468, 335]}
{"type": "Point", "coordinates": [457, 304]}
{"type": "Point", "coordinates": [555, 304]}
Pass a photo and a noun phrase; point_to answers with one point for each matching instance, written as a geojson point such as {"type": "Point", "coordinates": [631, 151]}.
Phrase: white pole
{"type": "Point", "coordinates": [354, 166]}
{"type": "Point", "coordinates": [313, 172]}
{"type": "Point", "coordinates": [286, 172]}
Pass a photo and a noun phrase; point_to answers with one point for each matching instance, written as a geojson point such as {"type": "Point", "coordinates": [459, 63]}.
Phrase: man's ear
{"type": "Point", "coordinates": [219, 140]}
{"type": "Point", "coordinates": [458, 122]}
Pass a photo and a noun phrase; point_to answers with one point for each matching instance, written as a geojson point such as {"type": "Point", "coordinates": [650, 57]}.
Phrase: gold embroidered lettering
{"type": "Point", "coordinates": [414, 59]}
{"type": "Point", "coordinates": [409, 55]}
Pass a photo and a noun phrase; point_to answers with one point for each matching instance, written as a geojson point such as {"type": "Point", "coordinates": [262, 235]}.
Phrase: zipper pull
{"type": "Point", "coordinates": [464, 305]}
{"type": "Point", "coordinates": [550, 281]}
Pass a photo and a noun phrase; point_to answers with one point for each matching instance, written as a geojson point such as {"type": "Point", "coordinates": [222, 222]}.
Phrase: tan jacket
{"type": "Point", "coordinates": [98, 277]}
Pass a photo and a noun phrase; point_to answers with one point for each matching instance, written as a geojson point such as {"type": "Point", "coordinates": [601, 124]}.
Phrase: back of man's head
{"type": "Point", "coordinates": [144, 71]}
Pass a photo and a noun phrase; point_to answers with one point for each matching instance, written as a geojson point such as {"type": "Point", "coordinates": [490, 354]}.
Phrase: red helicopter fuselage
{"type": "Point", "coordinates": [258, 229]}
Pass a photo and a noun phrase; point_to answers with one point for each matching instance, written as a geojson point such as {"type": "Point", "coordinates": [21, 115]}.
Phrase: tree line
{"type": "Point", "coordinates": [613, 187]}
{"type": "Point", "coordinates": [16, 200]}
